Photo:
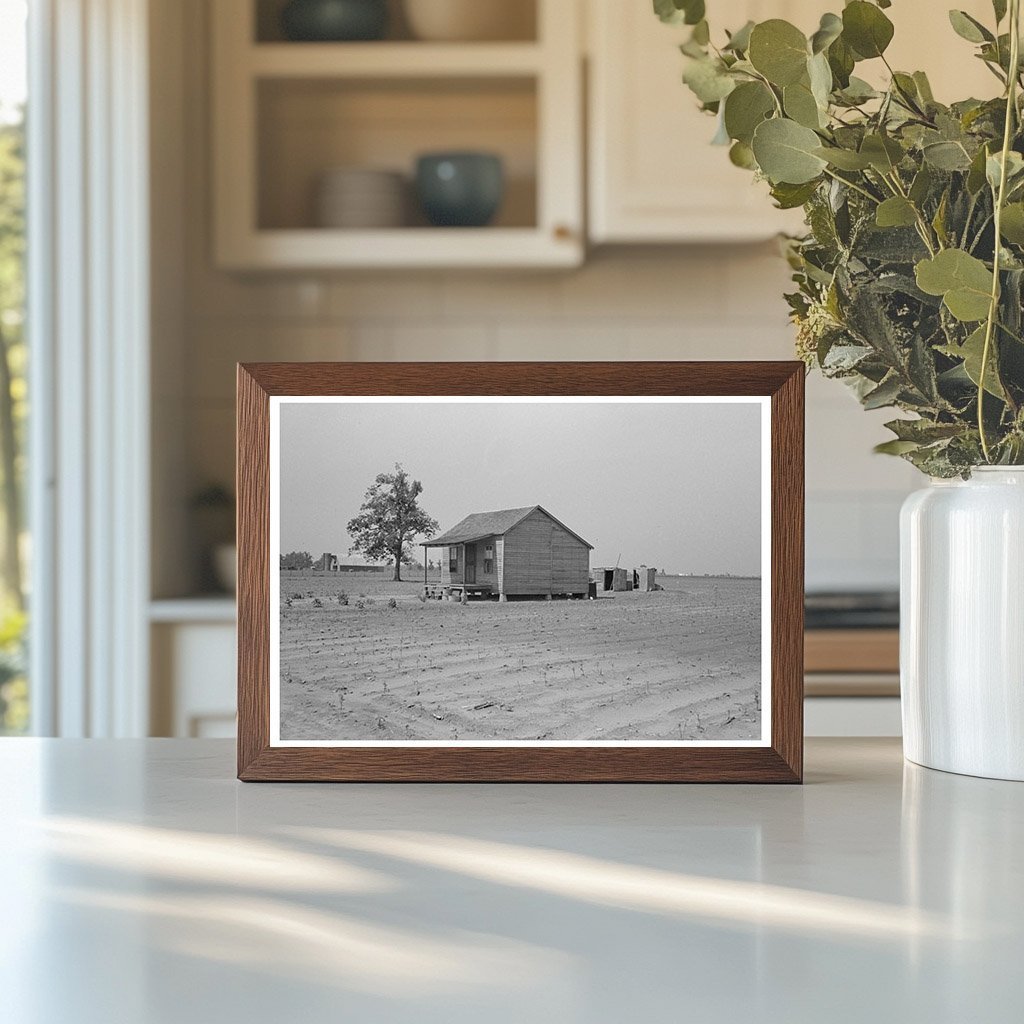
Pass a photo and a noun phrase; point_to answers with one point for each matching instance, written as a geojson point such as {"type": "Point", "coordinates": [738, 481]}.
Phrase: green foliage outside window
{"type": "Point", "coordinates": [13, 413]}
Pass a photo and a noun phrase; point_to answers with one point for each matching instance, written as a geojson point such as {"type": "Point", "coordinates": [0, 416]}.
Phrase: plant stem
{"type": "Point", "coordinates": [922, 225]}
{"type": "Point", "coordinates": [856, 188]}
{"type": "Point", "coordinates": [993, 309]}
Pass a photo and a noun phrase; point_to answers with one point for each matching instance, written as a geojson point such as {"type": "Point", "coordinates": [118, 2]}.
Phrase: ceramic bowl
{"type": "Point", "coordinates": [471, 20]}
{"type": "Point", "coordinates": [460, 189]}
{"type": "Point", "coordinates": [359, 197]}
{"type": "Point", "coordinates": [334, 20]}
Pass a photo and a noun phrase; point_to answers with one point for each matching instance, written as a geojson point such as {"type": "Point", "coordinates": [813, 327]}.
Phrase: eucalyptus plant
{"type": "Point", "coordinates": [910, 278]}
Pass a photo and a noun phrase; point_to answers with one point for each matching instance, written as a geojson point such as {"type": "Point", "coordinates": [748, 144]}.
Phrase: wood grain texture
{"type": "Point", "coordinates": [852, 650]}
{"type": "Point", "coordinates": [781, 762]}
{"type": "Point", "coordinates": [252, 487]}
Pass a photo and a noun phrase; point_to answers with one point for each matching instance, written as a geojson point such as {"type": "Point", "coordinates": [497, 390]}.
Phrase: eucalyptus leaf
{"type": "Point", "coordinates": [866, 30]}
{"type": "Point", "coordinates": [976, 178]}
{"type": "Point", "coordinates": [829, 30]}
{"type": "Point", "coordinates": [789, 197]}
{"type": "Point", "coordinates": [887, 393]}
{"type": "Point", "coordinates": [800, 105]}
{"type": "Point", "coordinates": [819, 74]}
{"type": "Point", "coordinates": [963, 281]}
{"type": "Point", "coordinates": [883, 153]}
{"type": "Point", "coordinates": [1014, 169]}
{"type": "Point", "coordinates": [741, 155]}
{"type": "Point", "coordinates": [895, 212]}
{"type": "Point", "coordinates": [675, 12]}
{"type": "Point", "coordinates": [739, 41]}
{"type": "Point", "coordinates": [708, 80]}
{"type": "Point", "coordinates": [924, 87]}
{"type": "Point", "coordinates": [858, 91]}
{"type": "Point", "coordinates": [947, 156]}
{"type": "Point", "coordinates": [779, 51]}
{"type": "Point", "coordinates": [786, 152]}
{"type": "Point", "coordinates": [969, 28]}
{"type": "Point", "coordinates": [745, 108]}
{"type": "Point", "coordinates": [895, 447]}
{"type": "Point", "coordinates": [842, 61]}
{"type": "Point", "coordinates": [721, 136]}
{"type": "Point", "coordinates": [844, 159]}
{"type": "Point", "coordinates": [921, 185]}
{"type": "Point", "coordinates": [923, 431]}
{"type": "Point", "coordinates": [1012, 225]}
{"type": "Point", "coordinates": [972, 353]}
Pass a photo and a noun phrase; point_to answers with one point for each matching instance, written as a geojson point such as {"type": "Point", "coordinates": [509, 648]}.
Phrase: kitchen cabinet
{"type": "Point", "coordinates": [193, 671]}
{"type": "Point", "coordinates": [286, 113]}
{"type": "Point", "coordinates": [653, 175]}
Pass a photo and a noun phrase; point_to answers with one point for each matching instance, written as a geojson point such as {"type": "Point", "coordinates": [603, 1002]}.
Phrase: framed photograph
{"type": "Point", "coordinates": [520, 572]}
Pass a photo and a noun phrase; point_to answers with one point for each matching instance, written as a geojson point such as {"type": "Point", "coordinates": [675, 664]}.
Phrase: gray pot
{"type": "Point", "coordinates": [460, 189]}
{"type": "Point", "coordinates": [333, 21]}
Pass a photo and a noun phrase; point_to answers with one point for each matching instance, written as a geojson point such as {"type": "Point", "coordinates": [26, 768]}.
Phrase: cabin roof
{"type": "Point", "coordinates": [479, 525]}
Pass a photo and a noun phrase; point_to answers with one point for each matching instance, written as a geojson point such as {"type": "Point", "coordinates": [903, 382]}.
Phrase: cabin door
{"type": "Point", "coordinates": [470, 574]}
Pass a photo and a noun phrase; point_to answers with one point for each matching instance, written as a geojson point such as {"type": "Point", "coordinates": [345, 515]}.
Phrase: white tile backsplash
{"type": "Point", "coordinates": [717, 302]}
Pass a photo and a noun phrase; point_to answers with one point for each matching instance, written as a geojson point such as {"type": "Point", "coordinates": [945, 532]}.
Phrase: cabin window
{"type": "Point", "coordinates": [453, 559]}
{"type": "Point", "coordinates": [488, 565]}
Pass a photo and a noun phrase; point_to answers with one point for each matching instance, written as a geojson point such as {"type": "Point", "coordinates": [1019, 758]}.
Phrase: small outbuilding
{"type": "Point", "coordinates": [515, 552]}
{"type": "Point", "coordinates": [326, 563]}
{"type": "Point", "coordinates": [646, 578]}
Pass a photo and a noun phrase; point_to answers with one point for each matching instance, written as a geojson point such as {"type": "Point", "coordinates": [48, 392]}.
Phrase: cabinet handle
{"type": "Point", "coordinates": [563, 232]}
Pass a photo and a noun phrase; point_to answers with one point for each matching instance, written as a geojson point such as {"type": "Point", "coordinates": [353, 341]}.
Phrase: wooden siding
{"type": "Point", "coordinates": [540, 557]}
{"type": "Point", "coordinates": [493, 578]}
{"type": "Point", "coordinates": [447, 577]}
{"type": "Point", "coordinates": [570, 563]}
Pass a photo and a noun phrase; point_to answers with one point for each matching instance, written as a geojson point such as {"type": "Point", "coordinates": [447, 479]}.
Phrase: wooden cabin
{"type": "Point", "coordinates": [515, 552]}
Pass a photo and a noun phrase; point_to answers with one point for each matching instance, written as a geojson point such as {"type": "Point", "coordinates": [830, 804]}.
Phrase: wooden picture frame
{"type": "Point", "coordinates": [778, 759]}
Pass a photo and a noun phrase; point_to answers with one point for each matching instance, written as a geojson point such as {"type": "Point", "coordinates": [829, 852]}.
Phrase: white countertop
{"type": "Point", "coordinates": [142, 884]}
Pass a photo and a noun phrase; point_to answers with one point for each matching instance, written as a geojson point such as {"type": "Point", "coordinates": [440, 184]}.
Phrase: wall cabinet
{"type": "Point", "coordinates": [652, 174]}
{"type": "Point", "coordinates": [286, 113]}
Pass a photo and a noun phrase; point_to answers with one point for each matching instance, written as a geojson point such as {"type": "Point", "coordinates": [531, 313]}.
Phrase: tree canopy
{"type": "Point", "coordinates": [297, 560]}
{"type": "Point", "coordinates": [389, 519]}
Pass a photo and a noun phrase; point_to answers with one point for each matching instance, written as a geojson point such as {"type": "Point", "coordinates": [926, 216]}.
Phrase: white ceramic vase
{"type": "Point", "coordinates": [962, 624]}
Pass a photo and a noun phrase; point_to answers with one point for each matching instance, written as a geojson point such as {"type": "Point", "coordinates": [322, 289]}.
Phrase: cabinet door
{"type": "Point", "coordinates": [653, 175]}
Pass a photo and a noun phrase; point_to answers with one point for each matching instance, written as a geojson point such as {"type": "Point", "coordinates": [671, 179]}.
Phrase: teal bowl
{"type": "Point", "coordinates": [334, 21]}
{"type": "Point", "coordinates": [460, 190]}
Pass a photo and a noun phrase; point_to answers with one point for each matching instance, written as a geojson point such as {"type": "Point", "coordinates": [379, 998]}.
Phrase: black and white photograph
{"type": "Point", "coordinates": [454, 571]}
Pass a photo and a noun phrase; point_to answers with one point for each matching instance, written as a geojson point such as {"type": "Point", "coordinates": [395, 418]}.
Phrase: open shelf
{"type": "Point", "coordinates": [406, 248]}
{"type": "Point", "coordinates": [286, 114]}
{"type": "Point", "coordinates": [393, 60]}
{"type": "Point", "coordinates": [308, 127]}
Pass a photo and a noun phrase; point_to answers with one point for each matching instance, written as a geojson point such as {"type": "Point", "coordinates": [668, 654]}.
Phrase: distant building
{"type": "Point", "coordinates": [326, 563]}
{"type": "Point", "coordinates": [513, 552]}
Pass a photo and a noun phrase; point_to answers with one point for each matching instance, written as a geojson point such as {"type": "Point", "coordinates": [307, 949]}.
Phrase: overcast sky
{"type": "Point", "coordinates": [671, 485]}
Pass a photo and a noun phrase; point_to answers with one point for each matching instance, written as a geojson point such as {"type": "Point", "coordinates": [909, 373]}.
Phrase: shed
{"type": "Point", "coordinates": [513, 552]}
{"type": "Point", "coordinates": [646, 578]}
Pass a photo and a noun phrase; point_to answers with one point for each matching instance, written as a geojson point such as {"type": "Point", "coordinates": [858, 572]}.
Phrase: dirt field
{"type": "Point", "coordinates": [682, 663]}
